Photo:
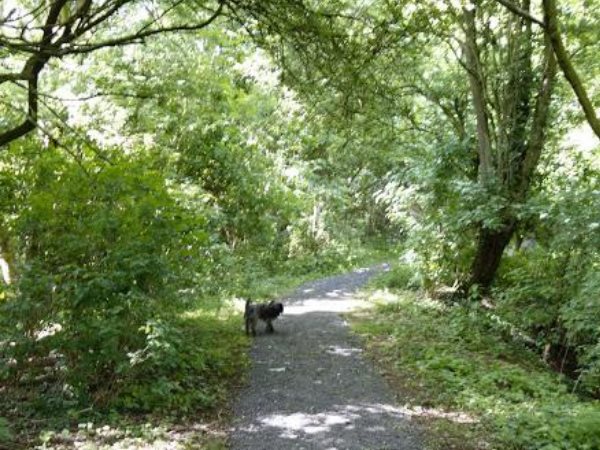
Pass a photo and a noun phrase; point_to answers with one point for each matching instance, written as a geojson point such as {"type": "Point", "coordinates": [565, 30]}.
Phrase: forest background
{"type": "Point", "coordinates": [160, 159]}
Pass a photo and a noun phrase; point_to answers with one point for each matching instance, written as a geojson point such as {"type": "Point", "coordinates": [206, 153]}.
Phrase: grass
{"type": "Point", "coordinates": [472, 386]}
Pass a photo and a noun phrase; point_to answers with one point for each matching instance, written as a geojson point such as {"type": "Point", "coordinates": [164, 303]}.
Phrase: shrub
{"type": "Point", "coordinates": [554, 427]}
{"type": "Point", "coordinates": [581, 316]}
{"type": "Point", "coordinates": [530, 291]}
{"type": "Point", "coordinates": [97, 255]}
{"type": "Point", "coordinates": [399, 276]}
{"type": "Point", "coordinates": [185, 365]}
{"type": "Point", "coordinates": [5, 434]}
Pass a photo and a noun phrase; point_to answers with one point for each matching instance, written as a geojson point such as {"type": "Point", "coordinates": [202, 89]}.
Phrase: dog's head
{"type": "Point", "coordinates": [271, 310]}
{"type": "Point", "coordinates": [277, 306]}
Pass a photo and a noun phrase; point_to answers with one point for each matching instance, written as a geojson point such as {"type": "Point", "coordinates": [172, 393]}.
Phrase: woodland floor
{"type": "Point", "coordinates": [310, 386]}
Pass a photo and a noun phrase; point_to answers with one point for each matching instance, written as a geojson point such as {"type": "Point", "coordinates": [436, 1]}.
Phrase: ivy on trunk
{"type": "Point", "coordinates": [510, 131]}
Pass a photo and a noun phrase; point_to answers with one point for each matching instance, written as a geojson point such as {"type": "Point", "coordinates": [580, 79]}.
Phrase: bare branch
{"type": "Point", "coordinates": [4, 77]}
{"type": "Point", "coordinates": [136, 38]}
{"type": "Point", "coordinates": [59, 40]}
{"type": "Point", "coordinates": [30, 72]}
{"type": "Point", "coordinates": [21, 130]}
{"type": "Point", "coordinates": [521, 12]}
{"type": "Point", "coordinates": [98, 95]}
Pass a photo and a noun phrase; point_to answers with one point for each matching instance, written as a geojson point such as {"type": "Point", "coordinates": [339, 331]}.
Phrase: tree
{"type": "Point", "coordinates": [32, 36]}
{"type": "Point", "coordinates": [510, 129]}
{"type": "Point", "coordinates": [510, 70]}
{"type": "Point", "coordinates": [59, 28]}
{"type": "Point", "coordinates": [551, 26]}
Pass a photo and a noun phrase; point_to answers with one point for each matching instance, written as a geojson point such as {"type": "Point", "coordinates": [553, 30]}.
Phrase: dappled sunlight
{"type": "Point", "coordinates": [5, 270]}
{"type": "Point", "coordinates": [343, 351]}
{"type": "Point", "coordinates": [309, 423]}
{"type": "Point", "coordinates": [387, 296]}
{"type": "Point", "coordinates": [147, 437]}
{"type": "Point", "coordinates": [335, 301]}
{"type": "Point", "coordinates": [347, 417]}
{"type": "Point", "coordinates": [317, 296]}
{"type": "Point", "coordinates": [336, 293]}
{"type": "Point", "coordinates": [384, 296]}
{"type": "Point", "coordinates": [47, 331]}
{"type": "Point", "coordinates": [343, 302]}
{"type": "Point", "coordinates": [367, 269]}
{"type": "Point", "coordinates": [415, 411]}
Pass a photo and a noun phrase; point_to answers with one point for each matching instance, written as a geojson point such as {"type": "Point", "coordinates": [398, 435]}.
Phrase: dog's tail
{"type": "Point", "coordinates": [248, 302]}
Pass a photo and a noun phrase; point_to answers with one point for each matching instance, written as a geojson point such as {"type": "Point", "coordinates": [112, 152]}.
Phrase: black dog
{"type": "Point", "coordinates": [266, 312]}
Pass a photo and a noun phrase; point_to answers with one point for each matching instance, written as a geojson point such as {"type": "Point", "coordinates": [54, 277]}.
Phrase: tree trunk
{"type": "Point", "coordinates": [477, 84]}
{"type": "Point", "coordinates": [490, 247]}
{"type": "Point", "coordinates": [522, 137]}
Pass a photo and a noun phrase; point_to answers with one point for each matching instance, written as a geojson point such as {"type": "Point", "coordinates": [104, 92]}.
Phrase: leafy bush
{"type": "Point", "coordinates": [581, 316]}
{"type": "Point", "coordinates": [568, 426]}
{"type": "Point", "coordinates": [550, 296]}
{"type": "Point", "coordinates": [5, 434]}
{"type": "Point", "coordinates": [530, 291]}
{"type": "Point", "coordinates": [399, 276]}
{"type": "Point", "coordinates": [185, 366]}
{"type": "Point", "coordinates": [97, 248]}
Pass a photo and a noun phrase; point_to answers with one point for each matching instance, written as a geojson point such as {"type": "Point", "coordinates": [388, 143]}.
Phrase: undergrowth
{"type": "Point", "coordinates": [192, 359]}
{"type": "Point", "coordinates": [462, 359]}
{"type": "Point", "coordinates": [187, 369]}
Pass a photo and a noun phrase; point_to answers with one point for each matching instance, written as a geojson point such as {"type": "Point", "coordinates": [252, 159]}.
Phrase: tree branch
{"type": "Point", "coordinates": [564, 61]}
{"type": "Point", "coordinates": [538, 126]}
{"type": "Point", "coordinates": [30, 72]}
{"type": "Point", "coordinates": [136, 38]}
{"type": "Point", "coordinates": [60, 40]}
{"type": "Point", "coordinates": [550, 26]}
{"type": "Point", "coordinates": [4, 77]}
{"type": "Point", "coordinates": [521, 12]}
{"type": "Point", "coordinates": [486, 168]}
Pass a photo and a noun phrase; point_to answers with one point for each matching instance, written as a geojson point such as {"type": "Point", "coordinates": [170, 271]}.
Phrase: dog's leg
{"type": "Point", "coordinates": [270, 328]}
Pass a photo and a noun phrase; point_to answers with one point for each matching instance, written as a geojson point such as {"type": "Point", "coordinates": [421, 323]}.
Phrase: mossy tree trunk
{"type": "Point", "coordinates": [510, 130]}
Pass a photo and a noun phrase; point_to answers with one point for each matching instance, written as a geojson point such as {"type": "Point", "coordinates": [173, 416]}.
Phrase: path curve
{"type": "Point", "coordinates": [311, 388]}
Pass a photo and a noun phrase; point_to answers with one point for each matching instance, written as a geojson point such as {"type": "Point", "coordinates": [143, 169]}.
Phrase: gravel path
{"type": "Point", "coordinates": [310, 387]}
